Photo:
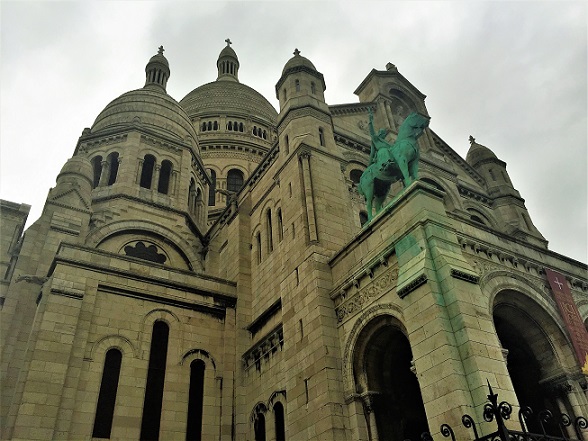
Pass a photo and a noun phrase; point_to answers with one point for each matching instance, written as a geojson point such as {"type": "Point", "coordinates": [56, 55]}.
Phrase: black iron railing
{"type": "Point", "coordinates": [499, 412]}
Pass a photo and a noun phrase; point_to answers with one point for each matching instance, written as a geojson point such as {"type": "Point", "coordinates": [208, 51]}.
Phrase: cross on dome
{"type": "Point", "coordinates": [472, 139]}
{"type": "Point", "coordinates": [296, 52]}
{"type": "Point", "coordinates": [160, 50]}
{"type": "Point", "coordinates": [228, 41]}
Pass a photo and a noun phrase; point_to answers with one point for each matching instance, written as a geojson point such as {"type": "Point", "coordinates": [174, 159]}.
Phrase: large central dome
{"type": "Point", "coordinates": [230, 97]}
{"type": "Point", "coordinates": [227, 95]}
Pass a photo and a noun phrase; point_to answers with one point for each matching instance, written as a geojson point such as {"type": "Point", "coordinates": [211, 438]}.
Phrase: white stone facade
{"type": "Point", "coordinates": [214, 247]}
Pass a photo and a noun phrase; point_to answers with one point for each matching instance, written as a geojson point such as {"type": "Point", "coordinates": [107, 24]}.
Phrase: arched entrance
{"type": "Point", "coordinates": [530, 338]}
{"type": "Point", "coordinates": [383, 377]}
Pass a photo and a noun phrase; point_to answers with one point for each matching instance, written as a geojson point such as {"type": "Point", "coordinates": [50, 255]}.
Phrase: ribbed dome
{"type": "Point", "coordinates": [228, 52]}
{"type": "Point", "coordinates": [228, 97]}
{"type": "Point", "coordinates": [151, 109]}
{"type": "Point", "coordinates": [159, 58]}
{"type": "Point", "coordinates": [478, 153]}
{"type": "Point", "coordinates": [296, 61]}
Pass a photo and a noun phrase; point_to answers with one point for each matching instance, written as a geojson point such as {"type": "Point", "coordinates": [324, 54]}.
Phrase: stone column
{"type": "Point", "coordinates": [139, 171]}
{"type": "Point", "coordinates": [104, 174]}
{"type": "Point", "coordinates": [370, 415]}
{"type": "Point", "coordinates": [155, 177]}
{"type": "Point", "coordinates": [304, 159]}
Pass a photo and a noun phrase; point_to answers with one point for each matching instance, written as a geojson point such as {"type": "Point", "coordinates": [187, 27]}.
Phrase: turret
{"type": "Point", "coordinates": [507, 200]}
{"type": "Point", "coordinates": [157, 71]}
{"type": "Point", "coordinates": [228, 64]}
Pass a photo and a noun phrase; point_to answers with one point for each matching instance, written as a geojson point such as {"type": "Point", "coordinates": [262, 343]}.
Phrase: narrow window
{"type": "Point", "coordinates": [107, 394]}
{"type": "Point", "coordinates": [280, 225]}
{"type": "Point", "coordinates": [195, 401]}
{"type": "Point", "coordinates": [113, 167]}
{"type": "Point", "coordinates": [97, 167]}
{"type": "Point", "coordinates": [280, 426]}
{"type": "Point", "coordinates": [297, 276]}
{"type": "Point", "coordinates": [284, 94]}
{"type": "Point", "coordinates": [492, 174]}
{"type": "Point", "coordinates": [147, 172]}
{"type": "Point", "coordinates": [301, 329]}
{"type": "Point", "coordinates": [155, 380]}
{"type": "Point", "coordinates": [240, 127]}
{"type": "Point", "coordinates": [203, 127]}
{"type": "Point", "coordinates": [258, 239]}
{"type": "Point", "coordinates": [191, 192]}
{"type": "Point", "coordinates": [293, 231]}
{"type": "Point", "coordinates": [264, 134]}
{"type": "Point", "coordinates": [287, 144]}
{"type": "Point", "coordinates": [234, 180]}
{"type": "Point", "coordinates": [306, 389]}
{"type": "Point", "coordinates": [215, 127]}
{"type": "Point", "coordinates": [209, 126]}
{"type": "Point", "coordinates": [259, 427]}
{"type": "Point", "coordinates": [321, 136]}
{"type": "Point", "coordinates": [290, 189]}
{"type": "Point", "coordinates": [164, 177]}
{"type": "Point", "coordinates": [230, 126]}
{"type": "Point", "coordinates": [312, 88]}
{"type": "Point", "coordinates": [363, 218]}
{"type": "Point", "coordinates": [297, 86]}
{"type": "Point", "coordinates": [255, 130]}
{"type": "Point", "coordinates": [270, 240]}
{"type": "Point", "coordinates": [212, 188]}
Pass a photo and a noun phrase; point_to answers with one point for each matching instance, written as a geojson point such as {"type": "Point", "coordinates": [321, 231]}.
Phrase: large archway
{"type": "Point", "coordinates": [383, 373]}
{"type": "Point", "coordinates": [530, 337]}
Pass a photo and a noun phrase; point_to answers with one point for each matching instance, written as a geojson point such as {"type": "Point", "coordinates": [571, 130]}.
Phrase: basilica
{"type": "Point", "coordinates": [208, 269]}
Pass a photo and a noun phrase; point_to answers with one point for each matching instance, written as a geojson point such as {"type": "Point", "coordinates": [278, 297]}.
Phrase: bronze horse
{"type": "Point", "coordinates": [391, 163]}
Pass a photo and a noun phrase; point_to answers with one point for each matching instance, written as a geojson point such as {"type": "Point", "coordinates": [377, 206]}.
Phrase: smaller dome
{"type": "Point", "coordinates": [298, 61]}
{"type": "Point", "coordinates": [478, 153]}
{"type": "Point", "coordinates": [77, 166]}
{"type": "Point", "coordinates": [228, 52]}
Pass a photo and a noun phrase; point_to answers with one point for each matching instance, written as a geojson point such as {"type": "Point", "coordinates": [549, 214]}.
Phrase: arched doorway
{"type": "Point", "coordinates": [383, 373]}
{"type": "Point", "coordinates": [530, 337]}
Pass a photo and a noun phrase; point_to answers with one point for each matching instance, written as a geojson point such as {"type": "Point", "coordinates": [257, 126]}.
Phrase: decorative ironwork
{"type": "Point", "coordinates": [499, 412]}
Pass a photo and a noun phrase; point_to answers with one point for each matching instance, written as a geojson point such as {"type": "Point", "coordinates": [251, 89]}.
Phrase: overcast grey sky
{"type": "Point", "coordinates": [512, 74]}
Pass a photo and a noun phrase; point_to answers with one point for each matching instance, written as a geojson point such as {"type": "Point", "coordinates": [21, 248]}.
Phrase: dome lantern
{"type": "Point", "coordinates": [157, 71]}
{"type": "Point", "coordinates": [228, 64]}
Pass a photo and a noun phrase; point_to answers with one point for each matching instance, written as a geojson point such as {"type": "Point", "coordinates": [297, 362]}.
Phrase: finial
{"type": "Point", "coordinates": [472, 139]}
{"type": "Point", "coordinates": [228, 41]}
{"type": "Point", "coordinates": [296, 52]}
{"type": "Point", "coordinates": [160, 50]}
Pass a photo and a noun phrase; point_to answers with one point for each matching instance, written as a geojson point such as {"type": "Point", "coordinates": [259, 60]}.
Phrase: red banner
{"type": "Point", "coordinates": [571, 316]}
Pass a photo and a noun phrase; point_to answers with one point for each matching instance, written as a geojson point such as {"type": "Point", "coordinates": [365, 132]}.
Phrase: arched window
{"type": "Point", "coordinates": [155, 380]}
{"type": "Point", "coordinates": [209, 126]}
{"type": "Point", "coordinates": [355, 175]}
{"type": "Point", "coordinates": [270, 239]}
{"type": "Point", "coordinates": [191, 193]}
{"type": "Point", "coordinates": [230, 126]}
{"type": "Point", "coordinates": [312, 88]}
{"type": "Point", "coordinates": [287, 142]}
{"type": "Point", "coordinates": [97, 168]}
{"type": "Point", "coordinates": [240, 127]}
{"type": "Point", "coordinates": [112, 160]}
{"type": "Point", "coordinates": [321, 136]}
{"type": "Point", "coordinates": [203, 127]}
{"type": "Point", "coordinates": [195, 401]}
{"type": "Point", "coordinates": [234, 180]}
{"type": "Point", "coordinates": [259, 427]}
{"type": "Point", "coordinates": [280, 225]}
{"type": "Point", "coordinates": [215, 125]}
{"type": "Point", "coordinates": [255, 130]}
{"type": "Point", "coordinates": [279, 421]}
{"type": "Point", "coordinates": [264, 135]}
{"type": "Point", "coordinates": [107, 394]}
{"type": "Point", "coordinates": [363, 218]}
{"type": "Point", "coordinates": [164, 177]}
{"type": "Point", "coordinates": [212, 188]}
{"type": "Point", "coordinates": [297, 85]}
{"type": "Point", "coordinates": [258, 240]}
{"type": "Point", "coordinates": [147, 171]}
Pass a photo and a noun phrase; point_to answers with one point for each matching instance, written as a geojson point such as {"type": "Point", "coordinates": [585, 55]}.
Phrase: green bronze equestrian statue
{"type": "Point", "coordinates": [391, 163]}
